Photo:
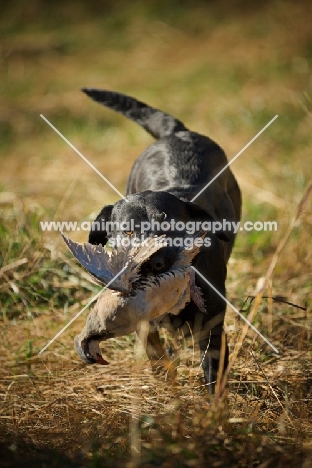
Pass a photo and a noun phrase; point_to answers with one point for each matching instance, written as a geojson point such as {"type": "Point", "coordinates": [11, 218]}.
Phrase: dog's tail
{"type": "Point", "coordinates": [154, 121]}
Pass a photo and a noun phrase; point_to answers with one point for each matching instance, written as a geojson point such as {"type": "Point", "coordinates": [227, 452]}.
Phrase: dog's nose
{"type": "Point", "coordinates": [157, 264]}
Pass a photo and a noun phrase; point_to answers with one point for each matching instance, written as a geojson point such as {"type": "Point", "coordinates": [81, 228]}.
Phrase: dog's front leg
{"type": "Point", "coordinates": [213, 349]}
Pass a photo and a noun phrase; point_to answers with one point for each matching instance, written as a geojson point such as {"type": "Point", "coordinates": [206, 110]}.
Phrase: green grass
{"type": "Point", "coordinates": [41, 283]}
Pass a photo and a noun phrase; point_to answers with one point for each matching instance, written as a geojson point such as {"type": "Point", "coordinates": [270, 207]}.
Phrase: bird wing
{"type": "Point", "coordinates": [104, 266]}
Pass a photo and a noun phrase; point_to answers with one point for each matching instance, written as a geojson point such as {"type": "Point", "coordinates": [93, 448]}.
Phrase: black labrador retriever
{"type": "Point", "coordinates": [164, 180]}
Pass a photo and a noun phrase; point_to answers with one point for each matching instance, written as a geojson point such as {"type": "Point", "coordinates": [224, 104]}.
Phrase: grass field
{"type": "Point", "coordinates": [225, 69]}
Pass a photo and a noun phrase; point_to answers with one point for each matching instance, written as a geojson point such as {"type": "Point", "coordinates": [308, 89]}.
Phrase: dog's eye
{"type": "Point", "coordinates": [129, 233]}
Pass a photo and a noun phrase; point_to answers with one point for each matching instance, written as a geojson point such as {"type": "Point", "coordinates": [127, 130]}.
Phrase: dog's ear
{"type": "Point", "coordinates": [98, 233]}
{"type": "Point", "coordinates": [199, 214]}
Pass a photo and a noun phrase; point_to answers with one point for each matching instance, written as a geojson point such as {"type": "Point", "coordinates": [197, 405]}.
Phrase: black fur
{"type": "Point", "coordinates": [161, 185]}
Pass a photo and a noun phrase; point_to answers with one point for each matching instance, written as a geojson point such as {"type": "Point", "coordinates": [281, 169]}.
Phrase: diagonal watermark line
{"type": "Point", "coordinates": [83, 157]}
{"type": "Point", "coordinates": [82, 310]}
{"type": "Point", "coordinates": [235, 157]}
{"type": "Point", "coordinates": [71, 321]}
{"type": "Point", "coordinates": [237, 311]}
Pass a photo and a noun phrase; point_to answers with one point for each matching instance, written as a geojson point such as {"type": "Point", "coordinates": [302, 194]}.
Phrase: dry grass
{"type": "Point", "coordinates": [225, 71]}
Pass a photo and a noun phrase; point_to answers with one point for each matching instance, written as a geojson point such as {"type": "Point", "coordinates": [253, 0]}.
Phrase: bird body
{"type": "Point", "coordinates": [135, 299]}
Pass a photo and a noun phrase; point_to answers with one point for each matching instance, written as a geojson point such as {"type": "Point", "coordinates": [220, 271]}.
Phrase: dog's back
{"type": "Point", "coordinates": [180, 162]}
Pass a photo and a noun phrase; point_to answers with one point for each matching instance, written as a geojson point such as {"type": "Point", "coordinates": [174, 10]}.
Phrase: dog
{"type": "Point", "coordinates": [161, 187]}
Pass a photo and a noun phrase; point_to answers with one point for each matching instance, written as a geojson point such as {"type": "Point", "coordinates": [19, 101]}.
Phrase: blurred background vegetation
{"type": "Point", "coordinates": [224, 68]}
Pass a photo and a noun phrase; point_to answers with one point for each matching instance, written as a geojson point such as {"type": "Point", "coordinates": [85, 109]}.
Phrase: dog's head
{"type": "Point", "coordinates": [146, 214]}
